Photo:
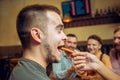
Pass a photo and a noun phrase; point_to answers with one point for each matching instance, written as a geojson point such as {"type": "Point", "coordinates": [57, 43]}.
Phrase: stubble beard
{"type": "Point", "coordinates": [50, 58]}
{"type": "Point", "coordinates": [117, 48]}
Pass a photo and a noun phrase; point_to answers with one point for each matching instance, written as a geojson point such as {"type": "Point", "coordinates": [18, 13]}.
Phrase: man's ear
{"type": "Point", "coordinates": [36, 34]}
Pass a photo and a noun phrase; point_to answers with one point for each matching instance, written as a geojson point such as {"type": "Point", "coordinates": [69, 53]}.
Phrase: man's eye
{"type": "Point", "coordinates": [59, 31]}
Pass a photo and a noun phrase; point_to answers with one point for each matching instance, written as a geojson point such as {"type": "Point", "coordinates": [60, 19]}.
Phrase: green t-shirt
{"type": "Point", "coordinates": [28, 70]}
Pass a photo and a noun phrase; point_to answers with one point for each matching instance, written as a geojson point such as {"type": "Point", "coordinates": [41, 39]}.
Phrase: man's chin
{"type": "Point", "coordinates": [117, 49]}
{"type": "Point", "coordinates": [55, 60]}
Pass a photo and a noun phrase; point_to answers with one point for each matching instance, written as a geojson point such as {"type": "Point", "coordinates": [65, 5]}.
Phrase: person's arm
{"type": "Point", "coordinates": [87, 61]}
{"type": "Point", "coordinates": [107, 73]}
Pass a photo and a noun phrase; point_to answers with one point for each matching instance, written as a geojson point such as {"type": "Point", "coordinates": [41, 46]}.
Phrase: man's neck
{"type": "Point", "coordinates": [35, 56]}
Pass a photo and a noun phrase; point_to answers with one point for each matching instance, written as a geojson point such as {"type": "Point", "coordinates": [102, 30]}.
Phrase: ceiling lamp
{"type": "Point", "coordinates": [67, 18]}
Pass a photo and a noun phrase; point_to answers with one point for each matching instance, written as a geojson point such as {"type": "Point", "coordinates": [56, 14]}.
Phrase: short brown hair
{"type": "Point", "coordinates": [117, 29]}
{"type": "Point", "coordinates": [71, 35]}
{"type": "Point", "coordinates": [33, 15]}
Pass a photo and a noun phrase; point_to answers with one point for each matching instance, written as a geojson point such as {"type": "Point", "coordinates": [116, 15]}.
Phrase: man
{"type": "Point", "coordinates": [63, 69]}
{"type": "Point", "coordinates": [40, 30]}
{"type": "Point", "coordinates": [87, 61]}
{"type": "Point", "coordinates": [71, 42]}
{"type": "Point", "coordinates": [115, 52]}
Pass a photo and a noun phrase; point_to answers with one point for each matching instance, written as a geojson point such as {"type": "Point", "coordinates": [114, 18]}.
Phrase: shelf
{"type": "Point", "coordinates": [88, 21]}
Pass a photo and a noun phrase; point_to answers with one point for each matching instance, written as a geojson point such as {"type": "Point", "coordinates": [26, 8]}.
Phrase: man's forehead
{"type": "Point", "coordinates": [52, 14]}
{"type": "Point", "coordinates": [117, 33]}
{"type": "Point", "coordinates": [54, 17]}
{"type": "Point", "coordinates": [71, 39]}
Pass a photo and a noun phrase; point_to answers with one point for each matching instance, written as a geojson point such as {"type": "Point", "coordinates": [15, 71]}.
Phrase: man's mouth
{"type": "Point", "coordinates": [59, 47]}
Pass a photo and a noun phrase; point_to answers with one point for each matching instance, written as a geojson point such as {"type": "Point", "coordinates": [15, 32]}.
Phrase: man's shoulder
{"type": "Point", "coordinates": [27, 70]}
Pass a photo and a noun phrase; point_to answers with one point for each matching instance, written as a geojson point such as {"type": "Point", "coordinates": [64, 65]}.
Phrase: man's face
{"type": "Point", "coordinates": [55, 37]}
{"type": "Point", "coordinates": [117, 40]}
{"type": "Point", "coordinates": [71, 43]}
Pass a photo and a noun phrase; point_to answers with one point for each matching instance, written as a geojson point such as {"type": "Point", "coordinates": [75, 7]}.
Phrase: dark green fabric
{"type": "Point", "coordinates": [28, 70]}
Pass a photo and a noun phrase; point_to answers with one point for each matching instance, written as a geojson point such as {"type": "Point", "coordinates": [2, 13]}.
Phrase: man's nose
{"type": "Point", "coordinates": [116, 40]}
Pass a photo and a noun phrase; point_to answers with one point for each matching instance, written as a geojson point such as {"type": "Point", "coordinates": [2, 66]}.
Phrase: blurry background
{"type": "Point", "coordinates": [10, 47]}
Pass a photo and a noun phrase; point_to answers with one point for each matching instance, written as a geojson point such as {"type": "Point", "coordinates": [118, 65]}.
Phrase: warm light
{"type": "Point", "coordinates": [67, 18]}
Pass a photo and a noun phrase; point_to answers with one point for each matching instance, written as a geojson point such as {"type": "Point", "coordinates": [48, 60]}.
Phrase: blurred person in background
{"type": "Point", "coordinates": [64, 69]}
{"type": "Point", "coordinates": [94, 45]}
{"type": "Point", "coordinates": [115, 52]}
{"type": "Point", "coordinates": [87, 61]}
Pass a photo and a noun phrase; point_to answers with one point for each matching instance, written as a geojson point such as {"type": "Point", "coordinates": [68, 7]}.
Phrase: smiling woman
{"type": "Point", "coordinates": [94, 45]}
